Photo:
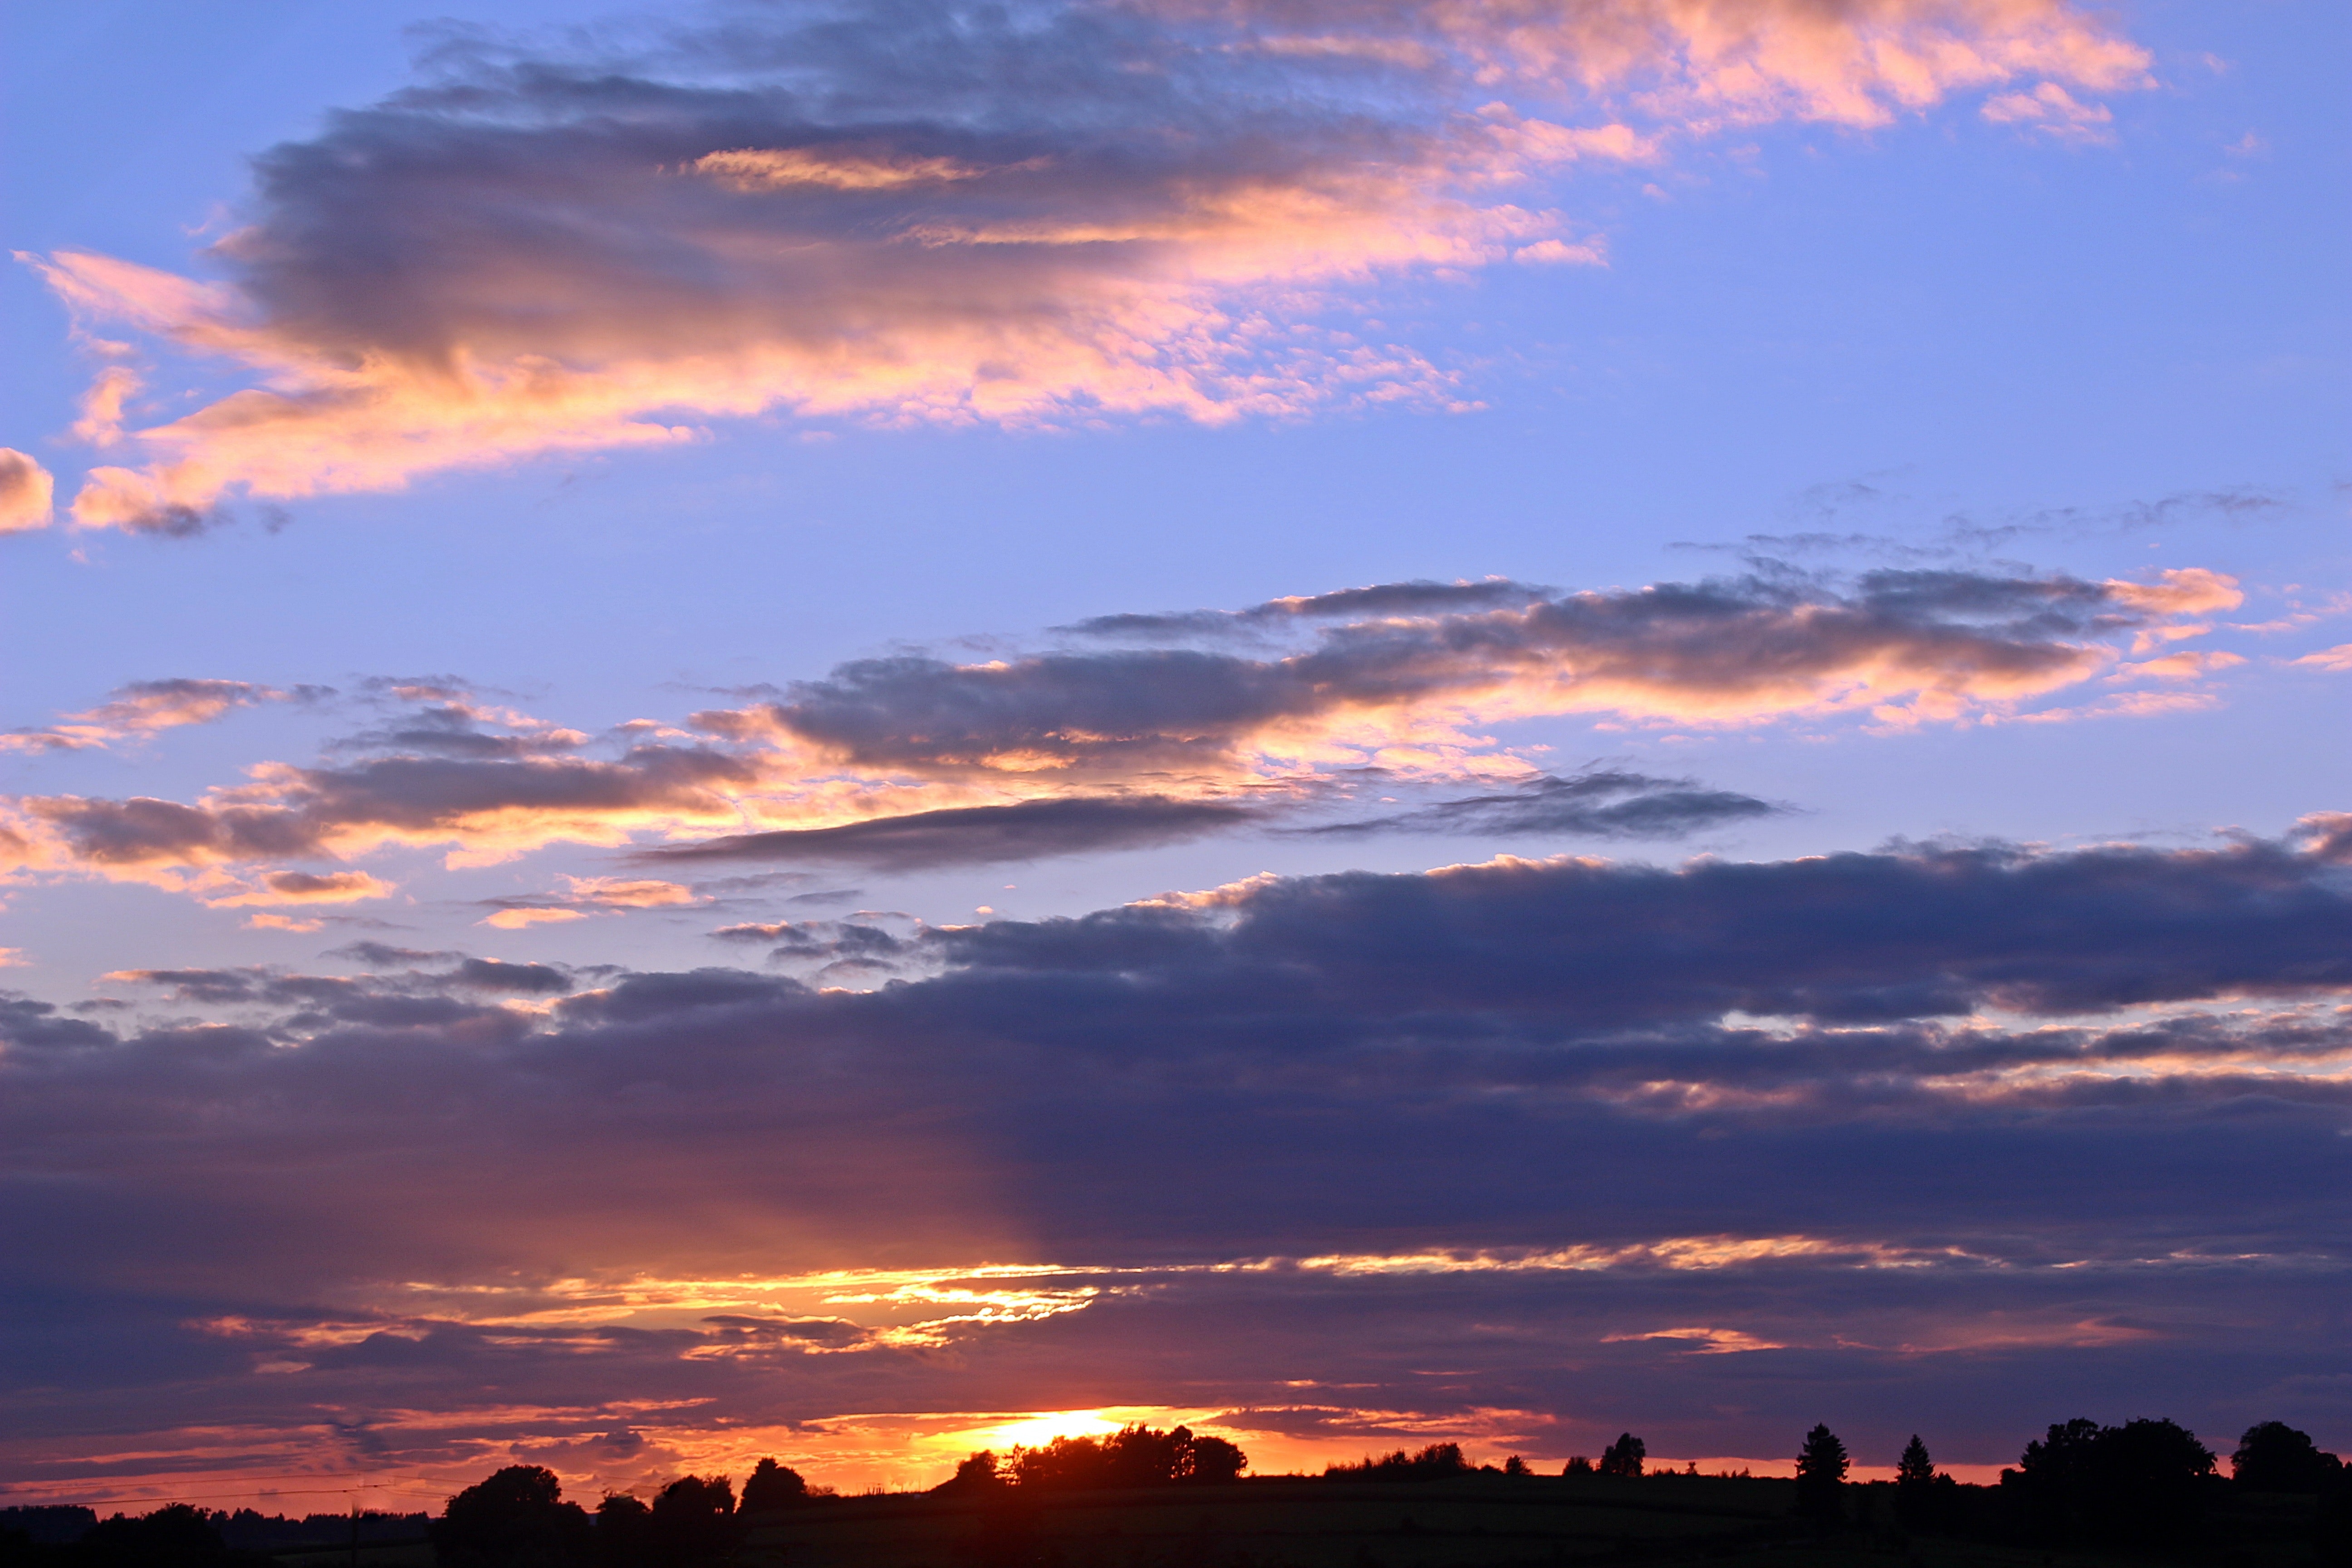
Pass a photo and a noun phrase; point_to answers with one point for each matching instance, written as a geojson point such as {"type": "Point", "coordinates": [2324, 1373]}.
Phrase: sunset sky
{"type": "Point", "coordinates": [859, 729]}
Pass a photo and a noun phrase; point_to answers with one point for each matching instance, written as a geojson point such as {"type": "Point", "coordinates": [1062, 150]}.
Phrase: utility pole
{"type": "Point", "coordinates": [355, 1530]}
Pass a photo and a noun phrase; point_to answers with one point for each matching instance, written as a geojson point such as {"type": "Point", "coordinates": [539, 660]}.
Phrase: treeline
{"type": "Point", "coordinates": [1134, 1456]}
{"type": "Point", "coordinates": [2146, 1483]}
{"type": "Point", "coordinates": [180, 1536]}
{"type": "Point", "coordinates": [519, 1516]}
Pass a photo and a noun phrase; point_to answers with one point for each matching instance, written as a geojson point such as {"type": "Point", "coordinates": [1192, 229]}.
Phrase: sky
{"type": "Point", "coordinates": [860, 729]}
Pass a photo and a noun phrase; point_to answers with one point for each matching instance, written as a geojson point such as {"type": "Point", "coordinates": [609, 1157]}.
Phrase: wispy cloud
{"type": "Point", "coordinates": [144, 707]}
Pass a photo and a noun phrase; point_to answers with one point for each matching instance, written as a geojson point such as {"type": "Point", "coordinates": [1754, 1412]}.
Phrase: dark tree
{"type": "Point", "coordinates": [1914, 1469]}
{"type": "Point", "coordinates": [625, 1532]}
{"type": "Point", "coordinates": [1515, 1466]}
{"type": "Point", "coordinates": [694, 1521]}
{"type": "Point", "coordinates": [977, 1473]}
{"type": "Point", "coordinates": [1924, 1499]}
{"type": "Point", "coordinates": [1214, 1462]}
{"type": "Point", "coordinates": [1577, 1466]}
{"type": "Point", "coordinates": [1624, 1457]}
{"type": "Point", "coordinates": [1065, 1464]}
{"type": "Point", "coordinates": [2331, 1524]}
{"type": "Point", "coordinates": [1134, 1456]}
{"type": "Point", "coordinates": [1821, 1476]}
{"type": "Point", "coordinates": [178, 1536]}
{"type": "Point", "coordinates": [2276, 1457]}
{"type": "Point", "coordinates": [1434, 1463]}
{"type": "Point", "coordinates": [514, 1519]}
{"type": "Point", "coordinates": [2142, 1483]}
{"type": "Point", "coordinates": [772, 1486]}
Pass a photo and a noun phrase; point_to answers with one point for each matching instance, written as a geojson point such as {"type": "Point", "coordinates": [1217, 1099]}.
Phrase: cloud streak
{"type": "Point", "coordinates": [1267, 716]}
{"type": "Point", "coordinates": [921, 213]}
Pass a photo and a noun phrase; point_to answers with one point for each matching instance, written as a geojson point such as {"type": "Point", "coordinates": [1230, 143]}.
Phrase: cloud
{"type": "Point", "coordinates": [2337, 658]}
{"type": "Point", "coordinates": [1905, 647]}
{"type": "Point", "coordinates": [1905, 1132]}
{"type": "Point", "coordinates": [585, 895]}
{"type": "Point", "coordinates": [918, 212]}
{"type": "Point", "coordinates": [26, 492]}
{"type": "Point", "coordinates": [1283, 710]}
{"type": "Point", "coordinates": [145, 707]}
{"type": "Point", "coordinates": [975, 836]}
{"type": "Point", "coordinates": [2055, 112]}
{"type": "Point", "coordinates": [309, 888]}
{"type": "Point", "coordinates": [1600, 803]}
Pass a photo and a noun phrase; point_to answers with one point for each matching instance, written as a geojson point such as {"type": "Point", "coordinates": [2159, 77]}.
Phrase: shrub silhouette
{"type": "Point", "coordinates": [1820, 1476]}
{"type": "Point", "coordinates": [2275, 1457]}
{"type": "Point", "coordinates": [516, 1518]}
{"type": "Point", "coordinates": [1624, 1457]}
{"type": "Point", "coordinates": [1578, 1466]}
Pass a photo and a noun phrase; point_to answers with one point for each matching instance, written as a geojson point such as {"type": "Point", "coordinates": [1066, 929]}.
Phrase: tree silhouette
{"type": "Point", "coordinates": [1577, 1466]}
{"type": "Point", "coordinates": [1214, 1462]}
{"type": "Point", "coordinates": [978, 1474]}
{"type": "Point", "coordinates": [1134, 1456]}
{"type": "Point", "coordinates": [1436, 1462]}
{"type": "Point", "coordinates": [514, 1517]}
{"type": "Point", "coordinates": [176, 1536]}
{"type": "Point", "coordinates": [770, 1486]}
{"type": "Point", "coordinates": [1820, 1476]}
{"type": "Point", "coordinates": [2141, 1483]}
{"type": "Point", "coordinates": [2276, 1457]}
{"type": "Point", "coordinates": [1924, 1499]}
{"type": "Point", "coordinates": [1624, 1457]}
{"type": "Point", "coordinates": [1914, 1468]}
{"type": "Point", "coordinates": [694, 1521]}
{"type": "Point", "coordinates": [625, 1532]}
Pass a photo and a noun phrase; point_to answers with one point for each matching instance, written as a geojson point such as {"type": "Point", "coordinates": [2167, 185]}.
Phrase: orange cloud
{"type": "Point", "coordinates": [142, 707]}
{"type": "Point", "coordinates": [516, 920]}
{"type": "Point", "coordinates": [309, 888]}
{"type": "Point", "coordinates": [26, 492]}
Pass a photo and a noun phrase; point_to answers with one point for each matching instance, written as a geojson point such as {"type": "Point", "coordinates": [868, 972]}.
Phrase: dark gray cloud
{"type": "Point", "coordinates": [316, 812]}
{"type": "Point", "coordinates": [1727, 647]}
{"type": "Point", "coordinates": [974, 836]}
{"type": "Point", "coordinates": [1598, 802]}
{"type": "Point", "coordinates": [1415, 599]}
{"type": "Point", "coordinates": [1710, 1153]}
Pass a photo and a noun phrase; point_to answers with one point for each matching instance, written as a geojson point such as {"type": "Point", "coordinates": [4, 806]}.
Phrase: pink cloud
{"type": "Point", "coordinates": [544, 276]}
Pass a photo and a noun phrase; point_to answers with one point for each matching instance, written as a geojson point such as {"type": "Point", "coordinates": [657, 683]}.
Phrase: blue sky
{"type": "Point", "coordinates": [1992, 394]}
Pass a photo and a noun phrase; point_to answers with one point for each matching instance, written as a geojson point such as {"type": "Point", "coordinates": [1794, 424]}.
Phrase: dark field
{"type": "Point", "coordinates": [1472, 1523]}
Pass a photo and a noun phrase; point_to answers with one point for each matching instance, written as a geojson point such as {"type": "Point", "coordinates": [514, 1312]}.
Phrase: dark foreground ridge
{"type": "Point", "coordinates": [2082, 1495]}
